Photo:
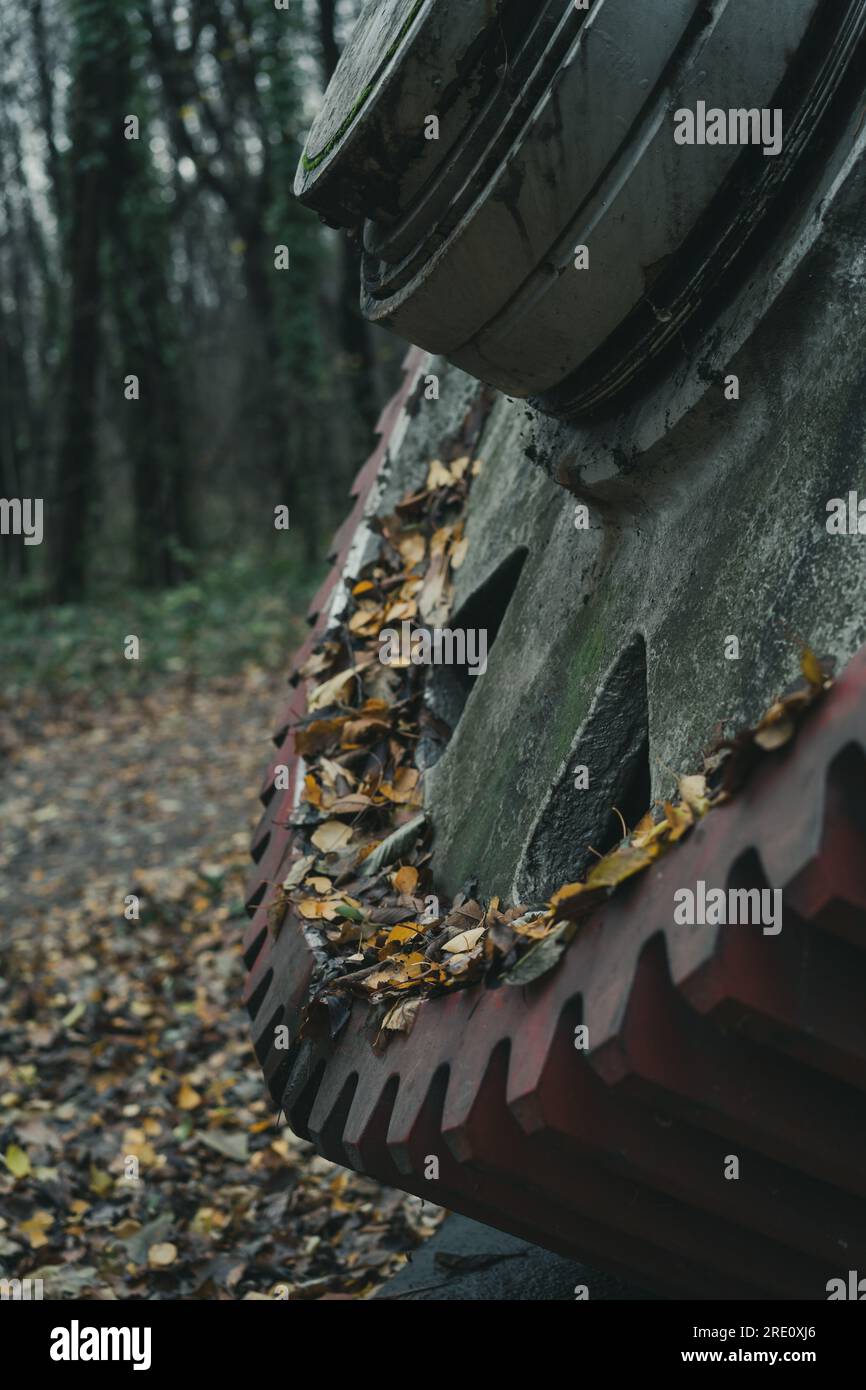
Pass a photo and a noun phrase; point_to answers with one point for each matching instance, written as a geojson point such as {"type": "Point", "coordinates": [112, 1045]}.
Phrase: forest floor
{"type": "Point", "coordinates": [139, 1157]}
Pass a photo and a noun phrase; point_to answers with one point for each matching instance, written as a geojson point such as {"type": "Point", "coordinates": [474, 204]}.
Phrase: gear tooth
{"type": "Point", "coordinates": [328, 1115]}
{"type": "Point", "coordinates": [831, 888]}
{"type": "Point", "coordinates": [479, 1065]}
{"type": "Point", "coordinates": [415, 1119]}
{"type": "Point", "coordinates": [307, 1065]}
{"type": "Point", "coordinates": [366, 1128]}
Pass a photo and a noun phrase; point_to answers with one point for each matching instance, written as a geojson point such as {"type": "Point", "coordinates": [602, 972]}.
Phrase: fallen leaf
{"type": "Point", "coordinates": [775, 729]}
{"type": "Point", "coordinates": [187, 1097]}
{"type": "Point", "coordinates": [812, 669]}
{"type": "Point", "coordinates": [17, 1161]}
{"type": "Point", "coordinates": [401, 1018]}
{"type": "Point", "coordinates": [100, 1182]}
{"type": "Point", "coordinates": [413, 549]}
{"type": "Point", "coordinates": [233, 1146]}
{"type": "Point", "coordinates": [693, 791]}
{"type": "Point", "coordinates": [396, 846]}
{"type": "Point", "coordinates": [369, 727]}
{"type": "Point", "coordinates": [404, 787]}
{"type": "Point", "coordinates": [619, 865]}
{"type": "Point", "coordinates": [160, 1256]}
{"type": "Point", "coordinates": [406, 880]}
{"type": "Point", "coordinates": [321, 733]}
{"type": "Point", "coordinates": [35, 1229]}
{"type": "Point", "coordinates": [331, 836]}
{"type": "Point", "coordinates": [465, 940]}
{"type": "Point", "coordinates": [298, 871]}
{"type": "Point", "coordinates": [541, 957]}
{"type": "Point", "coordinates": [398, 936]}
{"type": "Point", "coordinates": [331, 691]}
{"type": "Point", "coordinates": [313, 909]}
{"type": "Point", "coordinates": [438, 475]}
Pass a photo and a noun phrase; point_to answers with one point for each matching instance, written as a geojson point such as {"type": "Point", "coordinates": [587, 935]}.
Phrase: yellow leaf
{"type": "Point", "coordinates": [100, 1182]}
{"type": "Point", "coordinates": [312, 909]}
{"type": "Point", "coordinates": [679, 819]}
{"type": "Point", "coordinates": [161, 1255]}
{"type": "Point", "coordinates": [404, 787]}
{"type": "Point", "coordinates": [458, 554]}
{"type": "Point", "coordinates": [333, 835]}
{"type": "Point", "coordinates": [398, 936]}
{"type": "Point", "coordinates": [312, 790]}
{"type": "Point", "coordinates": [438, 475]}
{"type": "Point", "coordinates": [648, 831]}
{"type": "Point", "coordinates": [366, 620]}
{"type": "Point", "coordinates": [319, 884]}
{"type": "Point", "coordinates": [17, 1161]}
{"type": "Point", "coordinates": [619, 865]}
{"type": "Point", "coordinates": [187, 1097]}
{"type": "Point", "coordinates": [35, 1229]}
{"type": "Point", "coordinates": [812, 669]}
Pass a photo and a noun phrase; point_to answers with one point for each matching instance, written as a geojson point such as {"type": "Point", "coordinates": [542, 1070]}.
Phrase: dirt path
{"type": "Point", "coordinates": [138, 1157]}
{"type": "Point", "coordinates": [155, 782]}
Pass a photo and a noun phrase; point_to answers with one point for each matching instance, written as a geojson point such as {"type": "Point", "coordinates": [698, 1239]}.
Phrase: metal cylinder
{"type": "Point", "coordinates": [549, 195]}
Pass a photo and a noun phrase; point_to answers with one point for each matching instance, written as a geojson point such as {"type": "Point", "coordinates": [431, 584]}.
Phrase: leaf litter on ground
{"type": "Point", "coordinates": [139, 1158]}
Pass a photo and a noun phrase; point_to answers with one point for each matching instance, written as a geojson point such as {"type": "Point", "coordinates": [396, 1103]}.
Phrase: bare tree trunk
{"type": "Point", "coordinates": [76, 471]}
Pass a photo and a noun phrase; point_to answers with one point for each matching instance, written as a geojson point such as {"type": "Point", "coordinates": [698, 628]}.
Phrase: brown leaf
{"type": "Point", "coordinates": [350, 805]}
{"type": "Point", "coordinates": [403, 789]}
{"type": "Point", "coordinates": [337, 688]}
{"type": "Point", "coordinates": [360, 730]}
{"type": "Point", "coordinates": [776, 728]}
{"type": "Point", "coordinates": [321, 733]}
{"type": "Point", "coordinates": [406, 880]}
{"type": "Point", "coordinates": [401, 1018]}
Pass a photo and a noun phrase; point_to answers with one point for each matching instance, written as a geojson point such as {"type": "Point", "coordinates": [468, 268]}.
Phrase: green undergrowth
{"type": "Point", "coordinates": [245, 610]}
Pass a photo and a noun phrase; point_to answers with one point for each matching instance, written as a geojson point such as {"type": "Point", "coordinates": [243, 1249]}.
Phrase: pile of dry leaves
{"type": "Point", "coordinates": [361, 882]}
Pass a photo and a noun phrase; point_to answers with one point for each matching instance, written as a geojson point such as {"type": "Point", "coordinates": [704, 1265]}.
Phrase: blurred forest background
{"type": "Point", "coordinates": [122, 1037]}
{"type": "Point", "coordinates": [155, 258]}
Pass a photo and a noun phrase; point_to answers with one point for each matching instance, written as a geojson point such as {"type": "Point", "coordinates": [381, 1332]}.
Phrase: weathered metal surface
{"type": "Point", "coordinates": [567, 141]}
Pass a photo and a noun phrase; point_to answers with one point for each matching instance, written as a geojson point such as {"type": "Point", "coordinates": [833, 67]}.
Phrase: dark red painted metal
{"type": "Point", "coordinates": [705, 1043]}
